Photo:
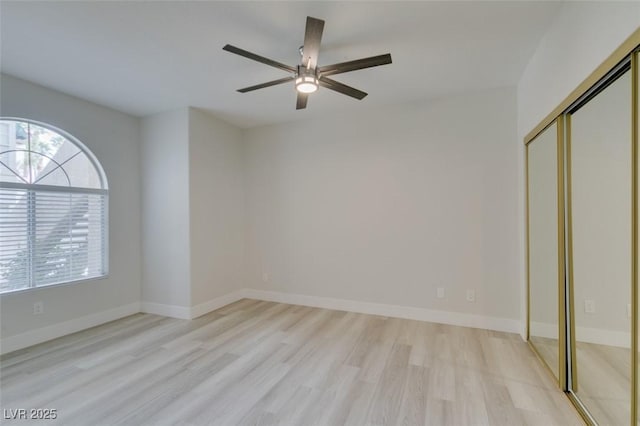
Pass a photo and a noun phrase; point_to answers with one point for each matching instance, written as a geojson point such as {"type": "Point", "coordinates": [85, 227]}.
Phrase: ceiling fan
{"type": "Point", "coordinates": [308, 75]}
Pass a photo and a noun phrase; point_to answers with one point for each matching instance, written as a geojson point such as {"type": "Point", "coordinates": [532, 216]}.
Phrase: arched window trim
{"type": "Point", "coordinates": [35, 186]}
{"type": "Point", "coordinates": [82, 147]}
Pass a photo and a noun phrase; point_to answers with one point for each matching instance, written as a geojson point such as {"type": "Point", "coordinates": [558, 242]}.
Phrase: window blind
{"type": "Point", "coordinates": [51, 236]}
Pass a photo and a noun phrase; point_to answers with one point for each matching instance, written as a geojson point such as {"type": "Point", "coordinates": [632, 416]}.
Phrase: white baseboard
{"type": "Point", "coordinates": [184, 312]}
{"type": "Point", "coordinates": [217, 303]}
{"type": "Point", "coordinates": [543, 329]}
{"type": "Point", "coordinates": [44, 334]}
{"type": "Point", "coordinates": [523, 331]}
{"type": "Point", "coordinates": [33, 337]}
{"type": "Point", "coordinates": [173, 311]}
{"type": "Point", "coordinates": [621, 339]}
{"type": "Point", "coordinates": [40, 335]}
{"type": "Point", "coordinates": [395, 311]}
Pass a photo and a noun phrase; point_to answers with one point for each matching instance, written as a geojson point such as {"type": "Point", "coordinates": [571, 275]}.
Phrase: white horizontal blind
{"type": "Point", "coordinates": [14, 237]}
{"type": "Point", "coordinates": [51, 236]}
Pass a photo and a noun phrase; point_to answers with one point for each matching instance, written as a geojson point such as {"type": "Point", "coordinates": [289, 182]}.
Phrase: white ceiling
{"type": "Point", "coordinates": [147, 57]}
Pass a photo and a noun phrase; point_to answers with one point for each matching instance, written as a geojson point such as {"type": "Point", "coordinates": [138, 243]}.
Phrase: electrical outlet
{"type": "Point", "coordinates": [471, 295]}
{"type": "Point", "coordinates": [590, 306]}
{"type": "Point", "coordinates": [440, 292]}
{"type": "Point", "coordinates": [38, 308]}
{"type": "Point", "coordinates": [265, 277]}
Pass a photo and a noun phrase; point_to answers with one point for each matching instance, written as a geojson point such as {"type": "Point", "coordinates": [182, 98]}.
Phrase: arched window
{"type": "Point", "coordinates": [53, 208]}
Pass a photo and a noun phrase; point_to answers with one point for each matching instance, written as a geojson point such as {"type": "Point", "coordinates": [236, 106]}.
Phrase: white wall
{"type": "Point", "coordinates": [114, 139]}
{"type": "Point", "coordinates": [583, 35]}
{"type": "Point", "coordinates": [165, 209]}
{"type": "Point", "coordinates": [193, 212]}
{"type": "Point", "coordinates": [387, 205]}
{"type": "Point", "coordinates": [382, 206]}
{"type": "Point", "coordinates": [216, 189]}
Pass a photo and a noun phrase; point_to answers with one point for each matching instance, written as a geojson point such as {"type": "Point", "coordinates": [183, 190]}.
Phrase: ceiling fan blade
{"type": "Point", "coordinates": [301, 101]}
{"type": "Point", "coordinates": [246, 54]}
{"type": "Point", "coordinates": [341, 88]}
{"type": "Point", "coordinates": [267, 84]}
{"type": "Point", "coordinates": [312, 38]}
{"type": "Point", "coordinates": [358, 64]}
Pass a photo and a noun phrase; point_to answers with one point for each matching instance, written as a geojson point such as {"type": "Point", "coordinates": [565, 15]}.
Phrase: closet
{"type": "Point", "coordinates": [582, 242]}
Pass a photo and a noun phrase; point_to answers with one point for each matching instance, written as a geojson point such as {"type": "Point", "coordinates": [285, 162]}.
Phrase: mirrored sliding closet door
{"type": "Point", "coordinates": [635, 69]}
{"type": "Point", "coordinates": [583, 243]}
{"type": "Point", "coordinates": [544, 230]}
{"type": "Point", "coordinates": [599, 146]}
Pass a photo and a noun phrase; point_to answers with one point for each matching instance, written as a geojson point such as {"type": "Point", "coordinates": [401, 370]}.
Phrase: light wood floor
{"type": "Point", "coordinates": [604, 378]}
{"type": "Point", "coordinates": [257, 362]}
{"type": "Point", "coordinates": [604, 382]}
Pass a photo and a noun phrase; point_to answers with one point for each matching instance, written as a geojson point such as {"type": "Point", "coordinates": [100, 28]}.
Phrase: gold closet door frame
{"type": "Point", "coordinates": [634, 58]}
{"type": "Point", "coordinates": [624, 50]}
{"type": "Point", "coordinates": [562, 338]}
{"type": "Point", "coordinates": [635, 134]}
{"type": "Point", "coordinates": [630, 47]}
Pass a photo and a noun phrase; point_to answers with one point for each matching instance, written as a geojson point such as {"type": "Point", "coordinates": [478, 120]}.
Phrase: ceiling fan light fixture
{"type": "Point", "coordinates": [306, 83]}
{"type": "Point", "coordinates": [307, 75]}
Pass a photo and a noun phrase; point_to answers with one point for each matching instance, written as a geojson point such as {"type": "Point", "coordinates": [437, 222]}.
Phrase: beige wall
{"type": "Point", "coordinates": [386, 205]}
{"type": "Point", "coordinates": [165, 212]}
{"type": "Point", "coordinates": [193, 212]}
{"type": "Point", "coordinates": [114, 139]}
{"type": "Point", "coordinates": [581, 37]}
{"type": "Point", "coordinates": [216, 207]}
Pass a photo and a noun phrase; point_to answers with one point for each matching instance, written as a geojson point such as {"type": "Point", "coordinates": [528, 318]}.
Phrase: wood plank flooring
{"type": "Point", "coordinates": [604, 378]}
{"type": "Point", "coordinates": [604, 382]}
{"type": "Point", "coordinates": [263, 363]}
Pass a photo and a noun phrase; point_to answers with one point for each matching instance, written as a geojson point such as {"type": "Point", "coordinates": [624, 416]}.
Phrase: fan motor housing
{"type": "Point", "coordinates": [306, 80]}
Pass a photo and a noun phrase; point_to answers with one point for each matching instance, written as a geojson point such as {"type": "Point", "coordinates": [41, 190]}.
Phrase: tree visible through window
{"type": "Point", "coordinates": [53, 208]}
